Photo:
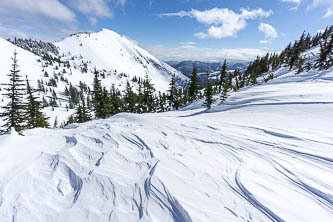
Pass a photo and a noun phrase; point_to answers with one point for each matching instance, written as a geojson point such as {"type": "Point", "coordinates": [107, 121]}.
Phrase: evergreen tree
{"type": "Point", "coordinates": [55, 124]}
{"type": "Point", "coordinates": [224, 94]}
{"type": "Point", "coordinates": [99, 99]}
{"type": "Point", "coordinates": [130, 99]}
{"type": "Point", "coordinates": [82, 114]}
{"type": "Point", "coordinates": [194, 86]}
{"type": "Point", "coordinates": [14, 112]}
{"type": "Point", "coordinates": [140, 107]}
{"type": "Point", "coordinates": [148, 95]}
{"type": "Point", "coordinates": [223, 75]}
{"type": "Point", "coordinates": [162, 102]}
{"type": "Point", "coordinates": [116, 103]}
{"type": "Point", "coordinates": [326, 54]}
{"type": "Point", "coordinates": [36, 118]}
{"type": "Point", "coordinates": [71, 120]}
{"type": "Point", "coordinates": [174, 95]}
{"type": "Point", "coordinates": [208, 92]}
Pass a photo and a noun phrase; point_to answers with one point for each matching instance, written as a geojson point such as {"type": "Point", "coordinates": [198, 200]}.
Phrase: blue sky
{"type": "Point", "coordinates": [174, 29]}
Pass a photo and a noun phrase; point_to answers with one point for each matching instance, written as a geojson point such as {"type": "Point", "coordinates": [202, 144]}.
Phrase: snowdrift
{"type": "Point", "coordinates": [264, 155]}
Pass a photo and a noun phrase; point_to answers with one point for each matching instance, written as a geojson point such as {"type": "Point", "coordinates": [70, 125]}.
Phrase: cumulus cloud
{"type": "Point", "coordinates": [269, 31]}
{"type": "Point", "coordinates": [191, 52]}
{"type": "Point", "coordinates": [94, 9]}
{"type": "Point", "coordinates": [11, 33]}
{"type": "Point", "coordinates": [53, 18]}
{"type": "Point", "coordinates": [52, 9]}
{"type": "Point", "coordinates": [36, 16]}
{"type": "Point", "coordinates": [223, 22]}
{"type": "Point", "coordinates": [97, 8]}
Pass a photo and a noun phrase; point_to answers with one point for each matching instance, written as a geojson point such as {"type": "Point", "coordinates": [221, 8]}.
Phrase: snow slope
{"type": "Point", "coordinates": [265, 155]}
{"type": "Point", "coordinates": [119, 58]}
{"type": "Point", "coordinates": [107, 50]}
{"type": "Point", "coordinates": [27, 61]}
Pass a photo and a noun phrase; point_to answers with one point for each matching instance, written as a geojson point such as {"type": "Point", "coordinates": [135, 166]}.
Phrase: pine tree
{"type": "Point", "coordinates": [36, 118]}
{"type": "Point", "coordinates": [224, 93]}
{"type": "Point", "coordinates": [194, 86]}
{"type": "Point", "coordinates": [116, 103]}
{"type": "Point", "coordinates": [325, 58]}
{"type": "Point", "coordinates": [208, 92]}
{"type": "Point", "coordinates": [70, 121]}
{"type": "Point", "coordinates": [82, 114]}
{"type": "Point", "coordinates": [162, 102]}
{"type": "Point", "coordinates": [99, 99]}
{"type": "Point", "coordinates": [174, 93]}
{"type": "Point", "coordinates": [14, 112]}
{"type": "Point", "coordinates": [55, 124]}
{"type": "Point", "coordinates": [148, 95]}
{"type": "Point", "coordinates": [140, 106]}
{"type": "Point", "coordinates": [130, 99]}
{"type": "Point", "coordinates": [223, 75]}
{"type": "Point", "coordinates": [300, 64]}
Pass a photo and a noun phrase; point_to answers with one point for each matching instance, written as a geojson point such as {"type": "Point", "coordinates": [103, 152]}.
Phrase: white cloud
{"type": "Point", "coordinates": [93, 21]}
{"type": "Point", "coordinates": [292, 1]}
{"type": "Point", "coordinates": [11, 33]}
{"type": "Point", "coordinates": [269, 31]}
{"type": "Point", "coordinates": [295, 2]}
{"type": "Point", "coordinates": [265, 42]}
{"type": "Point", "coordinates": [329, 12]}
{"type": "Point", "coordinates": [38, 18]}
{"type": "Point", "coordinates": [223, 22]}
{"type": "Point", "coordinates": [187, 43]}
{"type": "Point", "coordinates": [319, 3]}
{"type": "Point", "coordinates": [52, 19]}
{"type": "Point", "coordinates": [191, 52]}
{"type": "Point", "coordinates": [52, 9]}
{"type": "Point", "coordinates": [121, 2]}
{"type": "Point", "coordinates": [96, 8]}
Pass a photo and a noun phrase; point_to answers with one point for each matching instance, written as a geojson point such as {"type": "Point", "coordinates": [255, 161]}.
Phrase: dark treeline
{"type": "Point", "coordinates": [292, 58]}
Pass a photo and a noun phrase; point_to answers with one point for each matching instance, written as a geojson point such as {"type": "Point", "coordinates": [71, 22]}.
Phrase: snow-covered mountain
{"type": "Point", "coordinates": [264, 155]}
{"type": "Point", "coordinates": [116, 54]}
{"type": "Point", "coordinates": [186, 67]}
{"type": "Point", "coordinates": [73, 60]}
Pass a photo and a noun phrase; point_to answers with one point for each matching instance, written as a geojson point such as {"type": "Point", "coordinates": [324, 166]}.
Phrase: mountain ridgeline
{"type": "Point", "coordinates": [97, 75]}
{"type": "Point", "coordinates": [186, 67]}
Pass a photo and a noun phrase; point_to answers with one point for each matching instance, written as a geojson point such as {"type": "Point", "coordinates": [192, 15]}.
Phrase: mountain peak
{"type": "Point", "coordinates": [117, 54]}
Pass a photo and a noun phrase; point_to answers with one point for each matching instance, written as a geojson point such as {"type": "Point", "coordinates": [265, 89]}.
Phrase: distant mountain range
{"type": "Point", "coordinates": [186, 67]}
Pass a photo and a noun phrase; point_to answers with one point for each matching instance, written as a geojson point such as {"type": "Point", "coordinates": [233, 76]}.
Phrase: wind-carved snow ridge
{"type": "Point", "coordinates": [88, 175]}
{"type": "Point", "coordinates": [266, 154]}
